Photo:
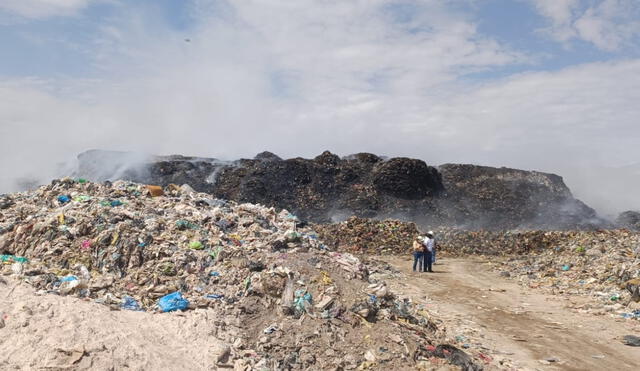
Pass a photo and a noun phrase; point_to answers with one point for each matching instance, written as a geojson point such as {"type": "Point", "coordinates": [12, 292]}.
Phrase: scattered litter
{"type": "Point", "coordinates": [271, 329]}
{"type": "Point", "coordinates": [214, 296]}
{"type": "Point", "coordinates": [633, 315]}
{"type": "Point", "coordinates": [130, 303]}
{"type": "Point", "coordinates": [631, 340]}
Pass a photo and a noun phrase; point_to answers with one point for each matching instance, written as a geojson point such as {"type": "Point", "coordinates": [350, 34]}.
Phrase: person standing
{"type": "Point", "coordinates": [428, 244]}
{"type": "Point", "coordinates": [435, 247]}
{"type": "Point", "coordinates": [418, 255]}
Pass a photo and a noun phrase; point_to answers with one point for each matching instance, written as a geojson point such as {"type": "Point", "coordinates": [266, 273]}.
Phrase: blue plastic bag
{"type": "Point", "coordinates": [130, 303]}
{"type": "Point", "coordinates": [64, 199]}
{"type": "Point", "coordinates": [173, 301]}
{"type": "Point", "coordinates": [68, 278]}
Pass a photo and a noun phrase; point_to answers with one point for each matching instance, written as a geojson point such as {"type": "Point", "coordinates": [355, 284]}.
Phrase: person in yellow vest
{"type": "Point", "coordinates": [418, 255]}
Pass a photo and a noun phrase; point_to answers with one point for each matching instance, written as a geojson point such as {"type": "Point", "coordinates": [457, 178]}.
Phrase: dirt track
{"type": "Point", "coordinates": [528, 329]}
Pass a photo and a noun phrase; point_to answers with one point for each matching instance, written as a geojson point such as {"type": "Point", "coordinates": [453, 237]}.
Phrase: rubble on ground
{"type": "Point", "coordinates": [603, 266]}
{"type": "Point", "coordinates": [458, 242]}
{"type": "Point", "coordinates": [370, 236]}
{"type": "Point", "coordinates": [282, 299]}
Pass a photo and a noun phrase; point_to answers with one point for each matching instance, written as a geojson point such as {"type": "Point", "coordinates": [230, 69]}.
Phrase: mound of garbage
{"type": "Point", "coordinates": [329, 188]}
{"type": "Point", "coordinates": [458, 242]}
{"type": "Point", "coordinates": [629, 219]}
{"type": "Point", "coordinates": [483, 197]}
{"type": "Point", "coordinates": [603, 266]}
{"type": "Point", "coordinates": [281, 298]}
{"type": "Point", "coordinates": [368, 236]}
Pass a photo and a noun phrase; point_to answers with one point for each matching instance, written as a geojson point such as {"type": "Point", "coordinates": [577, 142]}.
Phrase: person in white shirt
{"type": "Point", "coordinates": [435, 247]}
{"type": "Point", "coordinates": [429, 248]}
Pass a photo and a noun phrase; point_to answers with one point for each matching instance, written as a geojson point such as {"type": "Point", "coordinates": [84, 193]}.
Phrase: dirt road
{"type": "Point", "coordinates": [522, 327]}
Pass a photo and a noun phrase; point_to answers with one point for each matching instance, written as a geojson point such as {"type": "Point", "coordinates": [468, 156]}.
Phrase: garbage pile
{"type": "Point", "coordinates": [458, 242]}
{"type": "Point", "coordinates": [603, 265]}
{"type": "Point", "coordinates": [629, 219]}
{"type": "Point", "coordinates": [281, 298]}
{"type": "Point", "coordinates": [482, 197]}
{"type": "Point", "coordinates": [360, 235]}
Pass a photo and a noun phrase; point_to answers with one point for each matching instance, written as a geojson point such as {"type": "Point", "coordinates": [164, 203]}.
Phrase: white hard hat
{"type": "Point", "coordinates": [430, 232]}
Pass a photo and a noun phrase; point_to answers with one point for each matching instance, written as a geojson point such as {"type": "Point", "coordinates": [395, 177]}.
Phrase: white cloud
{"type": "Point", "coordinates": [609, 25]}
{"type": "Point", "coordinates": [560, 11]}
{"type": "Point", "coordinates": [36, 9]}
{"type": "Point", "coordinates": [297, 78]}
{"type": "Point", "coordinates": [579, 115]}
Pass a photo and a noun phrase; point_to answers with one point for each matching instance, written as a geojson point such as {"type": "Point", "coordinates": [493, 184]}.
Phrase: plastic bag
{"type": "Point", "coordinates": [303, 300]}
{"type": "Point", "coordinates": [13, 259]}
{"type": "Point", "coordinates": [196, 245]}
{"type": "Point", "coordinates": [173, 301]}
{"type": "Point", "coordinates": [130, 303]}
{"type": "Point", "coordinates": [64, 199]}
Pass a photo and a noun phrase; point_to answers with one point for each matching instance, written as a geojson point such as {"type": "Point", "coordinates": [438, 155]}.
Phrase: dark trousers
{"type": "Point", "coordinates": [427, 262]}
{"type": "Point", "coordinates": [418, 259]}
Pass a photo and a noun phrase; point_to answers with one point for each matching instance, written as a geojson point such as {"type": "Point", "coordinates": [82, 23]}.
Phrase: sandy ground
{"type": "Point", "coordinates": [49, 332]}
{"type": "Point", "coordinates": [527, 329]}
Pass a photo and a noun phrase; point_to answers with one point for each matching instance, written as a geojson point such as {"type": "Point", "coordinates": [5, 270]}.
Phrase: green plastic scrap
{"type": "Point", "coordinates": [81, 180]}
{"type": "Point", "coordinates": [247, 283]}
{"type": "Point", "coordinates": [13, 259]}
{"type": "Point", "coordinates": [82, 198]}
{"type": "Point", "coordinates": [196, 245]}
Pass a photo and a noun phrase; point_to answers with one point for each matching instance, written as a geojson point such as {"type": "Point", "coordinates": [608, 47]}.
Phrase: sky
{"type": "Point", "coordinates": [548, 85]}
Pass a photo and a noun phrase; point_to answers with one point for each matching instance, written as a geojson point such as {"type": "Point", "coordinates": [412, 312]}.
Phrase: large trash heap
{"type": "Point", "coordinates": [285, 300]}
